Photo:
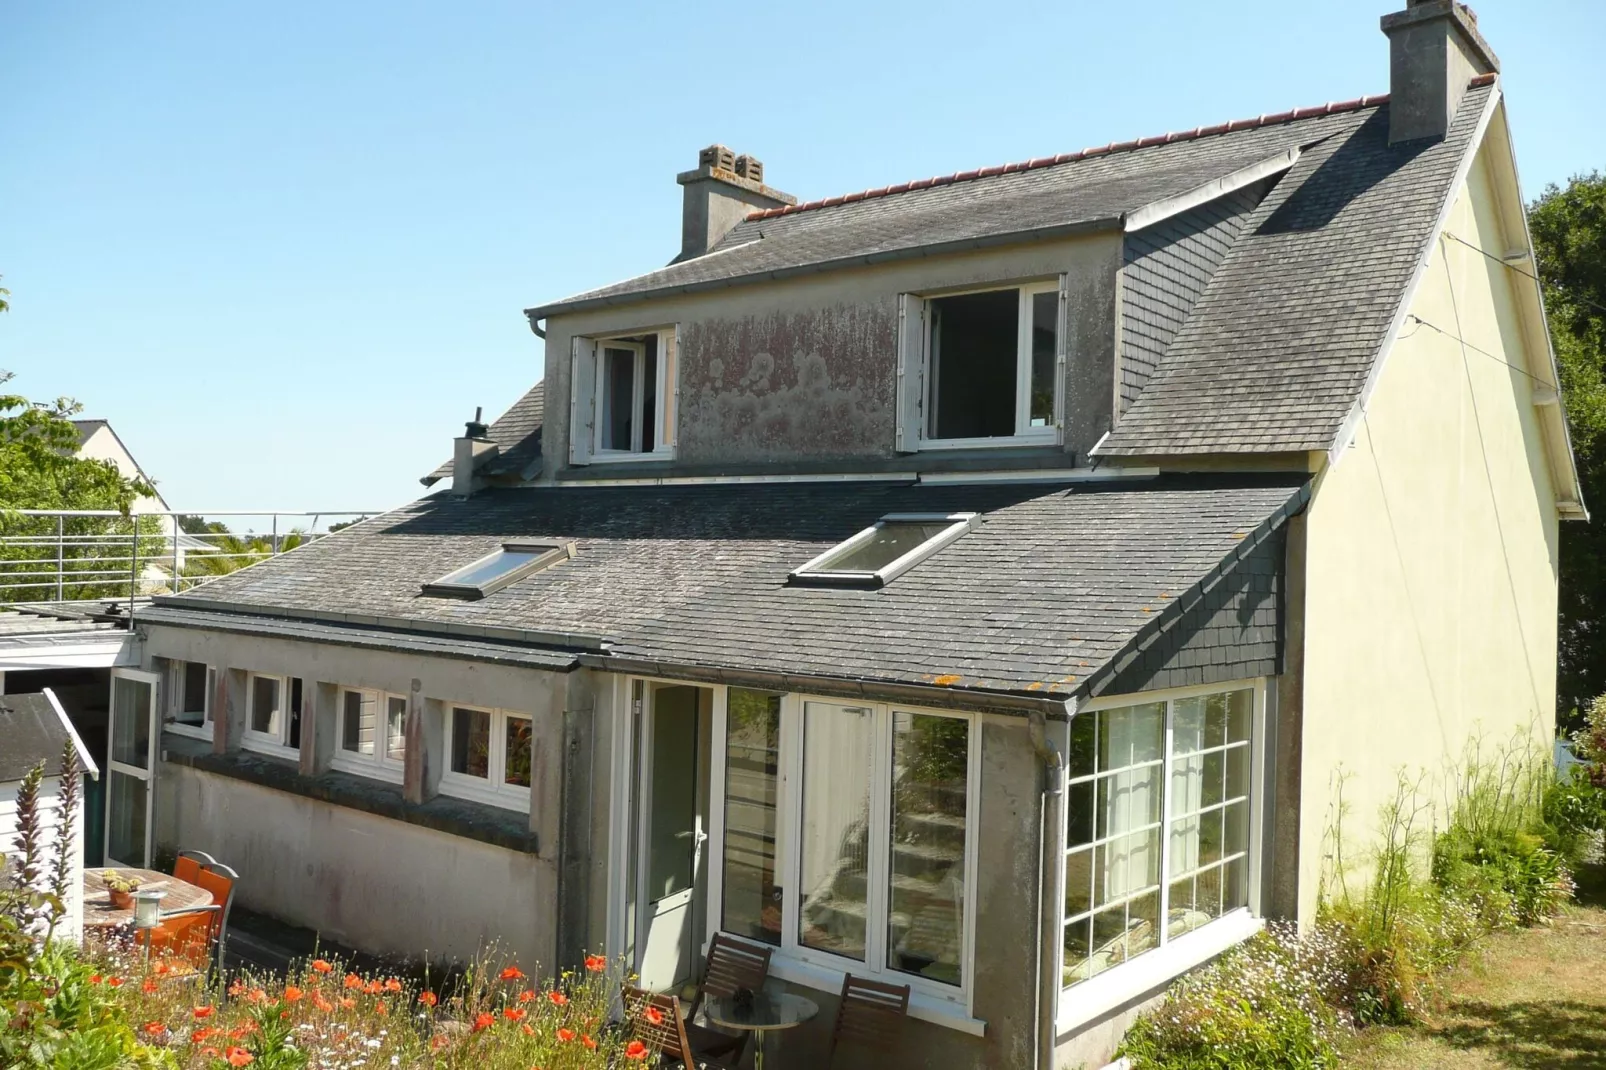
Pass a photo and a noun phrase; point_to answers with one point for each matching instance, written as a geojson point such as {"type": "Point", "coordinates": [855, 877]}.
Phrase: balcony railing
{"type": "Point", "coordinates": [78, 555]}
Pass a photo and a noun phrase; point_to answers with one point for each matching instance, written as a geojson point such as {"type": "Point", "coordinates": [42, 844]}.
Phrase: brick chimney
{"type": "Point", "coordinates": [470, 452]}
{"type": "Point", "coordinates": [1434, 50]}
{"type": "Point", "coordinates": [719, 194]}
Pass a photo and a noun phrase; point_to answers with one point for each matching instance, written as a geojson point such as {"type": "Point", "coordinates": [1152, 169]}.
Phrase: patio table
{"type": "Point", "coordinates": [769, 1012]}
{"type": "Point", "coordinates": [100, 914]}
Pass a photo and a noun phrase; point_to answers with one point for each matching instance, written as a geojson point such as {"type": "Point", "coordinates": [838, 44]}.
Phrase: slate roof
{"type": "Point", "coordinates": [518, 432]}
{"type": "Point", "coordinates": [33, 733]}
{"type": "Point", "coordinates": [1054, 583]}
{"type": "Point", "coordinates": [1278, 348]}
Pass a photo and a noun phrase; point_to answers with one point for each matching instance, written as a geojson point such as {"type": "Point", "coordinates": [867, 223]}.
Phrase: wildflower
{"type": "Point", "coordinates": [321, 966]}
{"type": "Point", "coordinates": [148, 986]}
{"type": "Point", "coordinates": [212, 1052]}
{"type": "Point", "coordinates": [381, 1008]}
{"type": "Point", "coordinates": [635, 1050]}
{"type": "Point", "coordinates": [347, 1002]}
{"type": "Point", "coordinates": [256, 995]}
{"type": "Point", "coordinates": [565, 1035]}
{"type": "Point", "coordinates": [439, 1041]}
{"type": "Point", "coordinates": [513, 1014]}
{"type": "Point", "coordinates": [321, 1003]}
{"type": "Point", "coordinates": [484, 1020]}
{"type": "Point", "coordinates": [527, 995]}
{"type": "Point", "coordinates": [529, 1031]}
{"type": "Point", "coordinates": [588, 1042]}
{"type": "Point", "coordinates": [202, 1033]}
{"type": "Point", "coordinates": [558, 998]}
{"type": "Point", "coordinates": [392, 985]}
{"type": "Point", "coordinates": [114, 982]}
{"type": "Point", "coordinates": [512, 973]}
{"type": "Point", "coordinates": [236, 988]}
{"type": "Point", "coordinates": [202, 1012]}
{"type": "Point", "coordinates": [353, 981]}
{"type": "Point", "coordinates": [373, 988]}
{"type": "Point", "coordinates": [160, 968]}
{"type": "Point", "coordinates": [155, 1029]}
{"type": "Point", "coordinates": [239, 1057]}
{"type": "Point", "coordinates": [292, 993]}
{"type": "Point", "coordinates": [653, 1015]}
{"type": "Point", "coordinates": [428, 999]}
{"type": "Point", "coordinates": [596, 963]}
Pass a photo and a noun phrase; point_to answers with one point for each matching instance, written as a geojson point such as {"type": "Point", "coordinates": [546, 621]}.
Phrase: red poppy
{"type": "Point", "coordinates": [513, 1014]}
{"type": "Point", "coordinates": [209, 1051]}
{"type": "Point", "coordinates": [347, 1002]}
{"type": "Point", "coordinates": [440, 1041]}
{"type": "Point", "coordinates": [484, 1020]}
{"type": "Point", "coordinates": [94, 978]}
{"type": "Point", "coordinates": [321, 966]}
{"type": "Point", "coordinates": [526, 1029]}
{"type": "Point", "coordinates": [148, 987]}
{"type": "Point", "coordinates": [596, 963]}
{"type": "Point", "coordinates": [588, 1042]}
{"type": "Point", "coordinates": [201, 1034]}
{"type": "Point", "coordinates": [558, 998]}
{"type": "Point", "coordinates": [392, 985]}
{"type": "Point", "coordinates": [236, 988]}
{"type": "Point", "coordinates": [239, 1057]}
{"type": "Point", "coordinates": [321, 1003]}
{"type": "Point", "coordinates": [353, 981]}
{"type": "Point", "coordinates": [527, 995]}
{"type": "Point", "coordinates": [653, 1015]}
{"type": "Point", "coordinates": [512, 973]}
{"type": "Point", "coordinates": [114, 982]}
{"type": "Point", "coordinates": [428, 999]}
{"type": "Point", "coordinates": [565, 1035]}
{"type": "Point", "coordinates": [635, 1050]}
{"type": "Point", "coordinates": [155, 1029]}
{"type": "Point", "coordinates": [292, 993]}
{"type": "Point", "coordinates": [202, 1012]}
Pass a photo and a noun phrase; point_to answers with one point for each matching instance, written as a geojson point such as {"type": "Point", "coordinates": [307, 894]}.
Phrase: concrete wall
{"type": "Point", "coordinates": [378, 883]}
{"type": "Point", "coordinates": [1431, 587]}
{"type": "Point", "coordinates": [368, 882]}
{"type": "Point", "coordinates": [805, 370]}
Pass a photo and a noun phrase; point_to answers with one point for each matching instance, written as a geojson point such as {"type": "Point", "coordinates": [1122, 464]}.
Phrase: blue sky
{"type": "Point", "coordinates": [284, 248]}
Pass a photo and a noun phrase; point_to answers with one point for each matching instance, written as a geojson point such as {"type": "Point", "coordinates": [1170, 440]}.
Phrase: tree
{"type": "Point", "coordinates": [1569, 232]}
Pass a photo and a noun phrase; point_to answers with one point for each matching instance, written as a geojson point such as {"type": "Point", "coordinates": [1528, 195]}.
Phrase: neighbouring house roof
{"type": "Point", "coordinates": [35, 729]}
{"type": "Point", "coordinates": [1052, 586]}
{"type": "Point", "coordinates": [87, 428]}
{"type": "Point", "coordinates": [518, 432]}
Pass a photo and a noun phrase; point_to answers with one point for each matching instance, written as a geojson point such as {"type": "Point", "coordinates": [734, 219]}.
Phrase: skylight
{"type": "Point", "coordinates": [497, 569]}
{"type": "Point", "coordinates": [881, 553]}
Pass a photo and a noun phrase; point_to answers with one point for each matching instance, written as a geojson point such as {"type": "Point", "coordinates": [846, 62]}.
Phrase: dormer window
{"type": "Point", "coordinates": [885, 550]}
{"type": "Point", "coordinates": [623, 398]}
{"type": "Point", "coordinates": [497, 569]}
{"type": "Point", "coordinates": [982, 368]}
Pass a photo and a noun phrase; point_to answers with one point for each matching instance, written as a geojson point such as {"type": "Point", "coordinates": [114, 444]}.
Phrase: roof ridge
{"type": "Point", "coordinates": [1233, 126]}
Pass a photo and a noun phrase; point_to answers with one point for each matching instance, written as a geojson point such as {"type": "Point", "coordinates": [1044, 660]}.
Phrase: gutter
{"type": "Point", "coordinates": [918, 252]}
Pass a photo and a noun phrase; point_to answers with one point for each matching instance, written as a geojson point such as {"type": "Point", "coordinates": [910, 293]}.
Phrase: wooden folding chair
{"type": "Point", "coordinates": [870, 1015]}
{"type": "Point", "coordinates": [658, 1021]}
{"type": "Point", "coordinates": [732, 964]}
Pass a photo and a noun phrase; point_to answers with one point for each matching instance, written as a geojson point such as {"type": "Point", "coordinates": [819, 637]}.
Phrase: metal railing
{"type": "Point", "coordinates": [90, 555]}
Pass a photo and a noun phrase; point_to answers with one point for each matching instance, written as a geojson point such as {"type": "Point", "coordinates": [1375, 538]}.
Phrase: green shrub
{"type": "Point", "coordinates": [1574, 815]}
{"type": "Point", "coordinates": [1513, 877]}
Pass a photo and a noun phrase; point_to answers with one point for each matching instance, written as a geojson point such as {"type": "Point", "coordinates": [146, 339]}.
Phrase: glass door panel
{"type": "Point", "coordinates": [130, 763]}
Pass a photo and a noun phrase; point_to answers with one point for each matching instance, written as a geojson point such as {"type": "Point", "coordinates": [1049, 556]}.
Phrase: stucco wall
{"type": "Point", "coordinates": [366, 881]}
{"type": "Point", "coordinates": [805, 369]}
{"type": "Point", "coordinates": [1431, 589]}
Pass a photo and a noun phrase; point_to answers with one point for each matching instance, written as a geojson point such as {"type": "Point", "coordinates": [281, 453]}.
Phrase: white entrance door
{"type": "Point", "coordinates": [129, 768]}
{"type": "Point", "coordinates": [671, 835]}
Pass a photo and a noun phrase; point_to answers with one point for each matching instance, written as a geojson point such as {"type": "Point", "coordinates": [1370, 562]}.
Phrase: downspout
{"type": "Point", "coordinates": [1050, 802]}
{"type": "Point", "coordinates": [540, 332]}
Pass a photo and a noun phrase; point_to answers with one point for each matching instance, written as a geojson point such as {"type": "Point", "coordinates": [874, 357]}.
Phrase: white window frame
{"type": "Point", "coordinates": [917, 350]}
{"type": "Point", "coordinates": [172, 724]}
{"type": "Point", "coordinates": [378, 764]}
{"type": "Point", "coordinates": [929, 1000]}
{"type": "Point", "coordinates": [277, 740]}
{"type": "Point", "coordinates": [817, 573]}
{"type": "Point", "coordinates": [491, 789]}
{"type": "Point", "coordinates": [547, 554]}
{"type": "Point", "coordinates": [1089, 1000]}
{"type": "Point", "coordinates": [586, 433]}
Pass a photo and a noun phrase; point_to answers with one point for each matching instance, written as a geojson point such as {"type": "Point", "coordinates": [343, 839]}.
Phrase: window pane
{"type": "Point", "coordinates": [1079, 881]}
{"type": "Point", "coordinates": [1127, 800]}
{"type": "Point", "coordinates": [125, 838]}
{"type": "Point", "coordinates": [265, 704]}
{"type": "Point", "coordinates": [1045, 332]}
{"type": "Point", "coordinates": [672, 820]}
{"type": "Point", "coordinates": [471, 742]}
{"type": "Point", "coordinates": [1131, 735]}
{"type": "Point", "coordinates": [131, 722]}
{"type": "Point", "coordinates": [357, 722]}
{"type": "Point", "coordinates": [396, 728]}
{"type": "Point", "coordinates": [837, 744]}
{"type": "Point", "coordinates": [192, 708]}
{"type": "Point", "coordinates": [497, 564]}
{"type": "Point", "coordinates": [293, 709]}
{"type": "Point", "coordinates": [1078, 946]}
{"type": "Point", "coordinates": [516, 736]}
{"type": "Point", "coordinates": [1188, 726]}
{"type": "Point", "coordinates": [618, 397]}
{"type": "Point", "coordinates": [1240, 715]}
{"type": "Point", "coordinates": [1238, 772]}
{"type": "Point", "coordinates": [930, 775]}
{"type": "Point", "coordinates": [649, 396]}
{"type": "Point", "coordinates": [1080, 762]}
{"type": "Point", "coordinates": [1079, 814]}
{"type": "Point", "coordinates": [752, 901]}
{"type": "Point", "coordinates": [1187, 784]}
{"type": "Point", "coordinates": [892, 539]}
{"type": "Point", "coordinates": [1236, 836]}
{"type": "Point", "coordinates": [975, 339]}
{"type": "Point", "coordinates": [1213, 781]}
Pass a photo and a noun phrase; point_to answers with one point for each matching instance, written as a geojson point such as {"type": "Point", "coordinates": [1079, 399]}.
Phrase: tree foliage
{"type": "Point", "coordinates": [1569, 232]}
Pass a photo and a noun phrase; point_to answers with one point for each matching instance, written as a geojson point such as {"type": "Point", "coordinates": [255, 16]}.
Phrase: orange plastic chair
{"type": "Point", "coordinates": [190, 863]}
{"type": "Point", "coordinates": [186, 940]}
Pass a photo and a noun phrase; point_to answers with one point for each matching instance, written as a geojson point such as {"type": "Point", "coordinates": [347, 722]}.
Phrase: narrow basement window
{"type": "Point", "coordinates": [496, 570]}
{"type": "Point", "coordinates": [881, 553]}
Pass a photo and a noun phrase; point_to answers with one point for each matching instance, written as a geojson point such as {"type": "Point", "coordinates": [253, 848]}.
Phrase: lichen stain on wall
{"type": "Point", "coordinates": [789, 385]}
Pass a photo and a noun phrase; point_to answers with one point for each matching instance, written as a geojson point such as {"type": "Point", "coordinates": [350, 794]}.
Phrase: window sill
{"type": "Point", "coordinates": [1095, 998]}
{"type": "Point", "coordinates": [484, 794]}
{"type": "Point", "coordinates": [1011, 441]}
{"type": "Point", "coordinates": [194, 731]}
{"type": "Point", "coordinates": [372, 770]}
{"type": "Point", "coordinates": [628, 457]}
{"type": "Point", "coordinates": [470, 820]}
{"type": "Point", "coordinates": [923, 1006]}
{"type": "Point", "coordinates": [273, 748]}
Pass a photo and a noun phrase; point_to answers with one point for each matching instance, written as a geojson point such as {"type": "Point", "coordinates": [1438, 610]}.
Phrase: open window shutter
{"type": "Point", "coordinates": [1061, 344]}
{"type": "Point", "coordinates": [911, 371]}
{"type": "Point", "coordinates": [669, 388]}
{"type": "Point", "coordinates": [582, 399]}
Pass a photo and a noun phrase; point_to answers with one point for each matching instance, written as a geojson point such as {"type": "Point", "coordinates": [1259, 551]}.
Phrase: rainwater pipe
{"type": "Point", "coordinates": [1051, 801]}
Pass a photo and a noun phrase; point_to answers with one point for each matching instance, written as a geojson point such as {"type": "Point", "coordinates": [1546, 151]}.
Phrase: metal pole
{"type": "Point", "coordinates": [61, 560]}
{"type": "Point", "coordinates": [133, 570]}
{"type": "Point", "coordinates": [173, 519]}
{"type": "Point", "coordinates": [275, 544]}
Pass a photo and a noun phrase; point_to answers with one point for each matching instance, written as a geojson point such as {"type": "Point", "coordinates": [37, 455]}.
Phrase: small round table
{"type": "Point", "coordinates": [100, 914]}
{"type": "Point", "coordinates": [769, 1012]}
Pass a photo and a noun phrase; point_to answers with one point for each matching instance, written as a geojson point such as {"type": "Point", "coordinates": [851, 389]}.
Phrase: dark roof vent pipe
{"type": "Point", "coordinates": [1435, 49]}
{"type": "Point", "coordinates": [470, 453]}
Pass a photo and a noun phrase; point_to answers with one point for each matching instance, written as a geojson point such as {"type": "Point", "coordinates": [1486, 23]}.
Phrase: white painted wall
{"type": "Point", "coordinates": [50, 807]}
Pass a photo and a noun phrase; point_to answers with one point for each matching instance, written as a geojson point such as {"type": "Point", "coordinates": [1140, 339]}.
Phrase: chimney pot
{"type": "Point", "coordinates": [750, 168]}
{"type": "Point", "coordinates": [718, 157]}
{"type": "Point", "coordinates": [718, 195]}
